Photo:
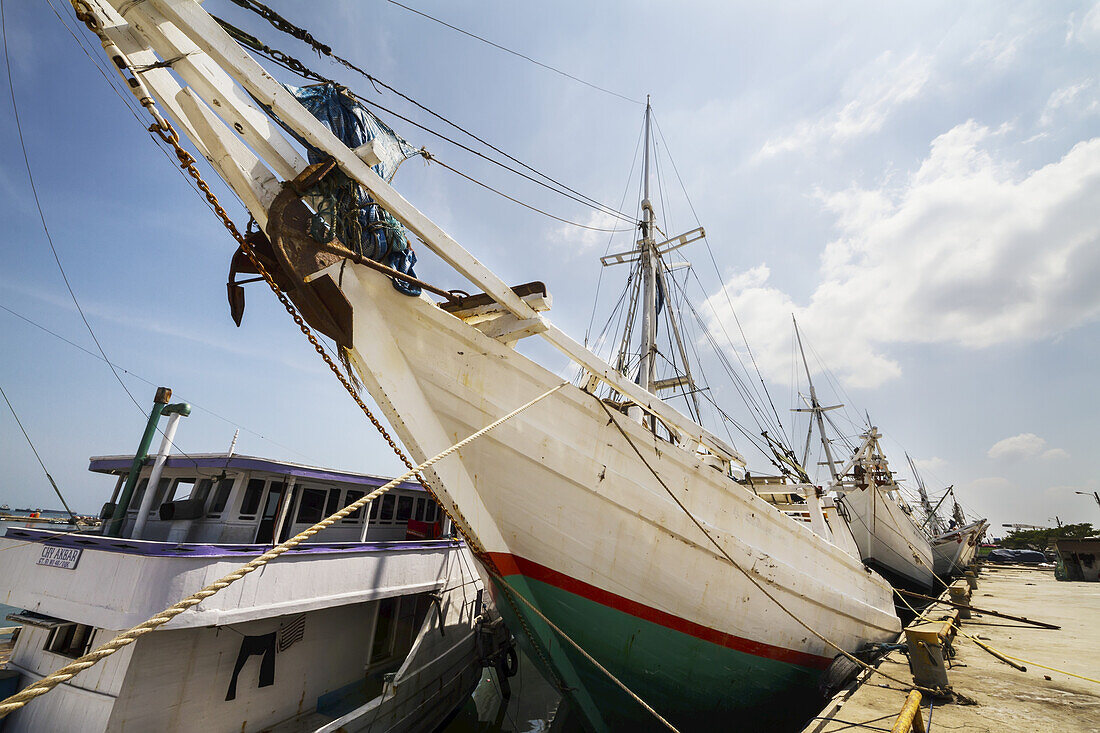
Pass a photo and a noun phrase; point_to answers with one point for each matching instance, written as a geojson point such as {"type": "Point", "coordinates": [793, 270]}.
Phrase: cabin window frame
{"type": "Point", "coordinates": [260, 494]}
{"type": "Point", "coordinates": [229, 483]}
{"type": "Point", "coordinates": [62, 639]}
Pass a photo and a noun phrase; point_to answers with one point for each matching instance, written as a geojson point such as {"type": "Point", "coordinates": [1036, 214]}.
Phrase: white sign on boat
{"type": "Point", "coordinates": [60, 557]}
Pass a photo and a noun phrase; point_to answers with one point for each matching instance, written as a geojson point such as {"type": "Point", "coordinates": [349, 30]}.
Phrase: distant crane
{"type": "Point", "coordinates": [1023, 526]}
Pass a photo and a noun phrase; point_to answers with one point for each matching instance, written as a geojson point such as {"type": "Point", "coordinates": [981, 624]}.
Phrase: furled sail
{"type": "Point", "coordinates": [345, 210]}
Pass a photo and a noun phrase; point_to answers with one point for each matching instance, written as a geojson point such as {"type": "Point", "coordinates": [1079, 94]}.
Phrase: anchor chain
{"type": "Point", "coordinates": [163, 129]}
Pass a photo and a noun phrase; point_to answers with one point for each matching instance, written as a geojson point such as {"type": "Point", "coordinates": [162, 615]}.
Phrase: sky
{"type": "Point", "coordinates": [917, 183]}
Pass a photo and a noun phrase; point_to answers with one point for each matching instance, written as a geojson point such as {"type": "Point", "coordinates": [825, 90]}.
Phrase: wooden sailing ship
{"type": "Point", "coordinates": [608, 520]}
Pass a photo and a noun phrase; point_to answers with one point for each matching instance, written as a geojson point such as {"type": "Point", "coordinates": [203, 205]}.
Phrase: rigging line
{"type": "Point", "coordinates": [432, 159]}
{"type": "Point", "coordinates": [612, 213]}
{"type": "Point", "coordinates": [722, 282]}
{"type": "Point", "coordinates": [296, 67]}
{"type": "Point", "coordinates": [41, 215]}
{"type": "Point", "coordinates": [516, 53]}
{"type": "Point", "coordinates": [610, 237]}
{"type": "Point", "coordinates": [112, 80]}
{"type": "Point", "coordinates": [49, 238]}
{"type": "Point", "coordinates": [35, 451]}
{"type": "Point", "coordinates": [299, 68]}
{"type": "Point", "coordinates": [759, 416]}
{"type": "Point", "coordinates": [261, 436]}
{"type": "Point", "coordinates": [752, 401]}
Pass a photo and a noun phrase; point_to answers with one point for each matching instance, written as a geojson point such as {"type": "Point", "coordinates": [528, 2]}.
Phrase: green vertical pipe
{"type": "Point", "coordinates": [114, 528]}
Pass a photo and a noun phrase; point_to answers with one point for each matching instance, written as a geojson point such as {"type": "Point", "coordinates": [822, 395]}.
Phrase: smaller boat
{"type": "Point", "coordinates": [955, 541]}
{"type": "Point", "coordinates": [5, 508]}
{"type": "Point", "coordinates": [380, 623]}
{"type": "Point", "coordinates": [888, 538]}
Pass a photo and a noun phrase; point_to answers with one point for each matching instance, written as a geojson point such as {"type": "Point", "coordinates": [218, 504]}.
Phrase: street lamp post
{"type": "Point", "coordinates": [1094, 495]}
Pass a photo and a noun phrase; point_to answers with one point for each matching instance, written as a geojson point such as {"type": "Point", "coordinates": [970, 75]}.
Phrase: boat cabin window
{"type": "Point", "coordinates": [252, 495]}
{"type": "Point", "coordinates": [221, 497]}
{"type": "Point", "coordinates": [386, 515]}
{"type": "Point", "coordinates": [404, 508]}
{"type": "Point", "coordinates": [70, 640]}
{"type": "Point", "coordinates": [333, 505]}
{"type": "Point", "coordinates": [182, 490]}
{"type": "Point", "coordinates": [358, 513]}
{"type": "Point", "coordinates": [139, 494]}
{"type": "Point", "coordinates": [312, 506]}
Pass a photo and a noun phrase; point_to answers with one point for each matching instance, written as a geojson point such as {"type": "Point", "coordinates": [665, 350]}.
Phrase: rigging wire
{"type": "Point", "coordinates": [432, 159]}
{"type": "Point", "coordinates": [514, 53]}
{"type": "Point", "coordinates": [207, 410]}
{"type": "Point", "coordinates": [722, 282]}
{"type": "Point", "coordinates": [607, 248]}
{"type": "Point", "coordinates": [297, 67]}
{"type": "Point", "coordinates": [49, 237]}
{"type": "Point", "coordinates": [35, 451]}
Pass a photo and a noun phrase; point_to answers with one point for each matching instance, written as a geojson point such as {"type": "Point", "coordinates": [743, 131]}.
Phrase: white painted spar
{"type": "Point", "coordinates": [558, 485]}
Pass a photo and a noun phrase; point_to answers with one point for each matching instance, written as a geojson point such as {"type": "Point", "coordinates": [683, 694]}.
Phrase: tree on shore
{"type": "Point", "coordinates": [1041, 539]}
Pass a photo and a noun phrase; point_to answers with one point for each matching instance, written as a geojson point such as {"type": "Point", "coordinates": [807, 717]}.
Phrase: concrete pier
{"type": "Point", "coordinates": [1000, 697]}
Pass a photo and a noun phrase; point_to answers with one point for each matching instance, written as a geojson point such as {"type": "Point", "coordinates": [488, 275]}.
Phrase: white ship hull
{"type": "Point", "coordinates": [888, 539]}
{"type": "Point", "coordinates": [954, 550]}
{"type": "Point", "coordinates": [558, 493]}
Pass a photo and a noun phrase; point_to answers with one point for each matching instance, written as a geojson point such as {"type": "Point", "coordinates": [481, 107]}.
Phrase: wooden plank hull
{"type": "Point", "coordinates": [888, 539]}
{"type": "Point", "coordinates": [954, 550]}
{"type": "Point", "coordinates": [560, 487]}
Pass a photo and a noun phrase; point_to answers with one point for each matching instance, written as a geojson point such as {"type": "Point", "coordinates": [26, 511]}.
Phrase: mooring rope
{"type": "Point", "coordinates": [990, 648]}
{"type": "Point", "coordinates": [795, 617]}
{"type": "Point", "coordinates": [129, 636]}
{"type": "Point", "coordinates": [586, 655]}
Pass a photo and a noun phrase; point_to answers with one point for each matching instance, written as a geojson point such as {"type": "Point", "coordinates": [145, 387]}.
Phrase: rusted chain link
{"type": "Point", "coordinates": [168, 134]}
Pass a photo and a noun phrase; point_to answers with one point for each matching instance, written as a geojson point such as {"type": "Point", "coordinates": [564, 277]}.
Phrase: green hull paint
{"type": "Point", "coordinates": [695, 684]}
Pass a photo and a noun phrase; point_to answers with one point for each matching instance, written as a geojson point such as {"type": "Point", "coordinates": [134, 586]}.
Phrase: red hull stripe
{"type": "Point", "coordinates": [514, 565]}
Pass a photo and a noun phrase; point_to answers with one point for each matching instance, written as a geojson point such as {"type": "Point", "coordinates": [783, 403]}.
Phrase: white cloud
{"type": "Point", "coordinates": [873, 95]}
{"type": "Point", "coordinates": [1024, 445]}
{"type": "Point", "coordinates": [997, 52]}
{"type": "Point", "coordinates": [930, 464]}
{"type": "Point", "coordinates": [1055, 454]}
{"type": "Point", "coordinates": [1088, 30]}
{"type": "Point", "coordinates": [595, 236]}
{"type": "Point", "coordinates": [968, 250]}
{"type": "Point", "coordinates": [986, 485]}
{"type": "Point", "coordinates": [1061, 98]}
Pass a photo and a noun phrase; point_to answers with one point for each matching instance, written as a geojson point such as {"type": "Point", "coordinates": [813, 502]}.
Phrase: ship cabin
{"type": "Point", "coordinates": [378, 623]}
{"type": "Point", "coordinates": [211, 498]}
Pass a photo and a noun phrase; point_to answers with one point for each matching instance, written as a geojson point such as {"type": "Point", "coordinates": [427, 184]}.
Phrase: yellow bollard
{"type": "Point", "coordinates": [926, 655]}
{"type": "Point", "coordinates": [910, 718]}
{"type": "Point", "coordinates": [960, 594]}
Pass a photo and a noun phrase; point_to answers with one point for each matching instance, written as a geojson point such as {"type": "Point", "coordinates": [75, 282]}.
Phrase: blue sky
{"type": "Point", "coordinates": [918, 183]}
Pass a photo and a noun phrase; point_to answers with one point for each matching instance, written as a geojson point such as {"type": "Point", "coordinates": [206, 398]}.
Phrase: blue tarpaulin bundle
{"type": "Point", "coordinates": [1025, 557]}
{"type": "Point", "coordinates": [378, 235]}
